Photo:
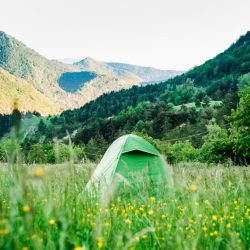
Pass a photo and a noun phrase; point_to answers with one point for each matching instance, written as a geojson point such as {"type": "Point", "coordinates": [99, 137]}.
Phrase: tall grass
{"type": "Point", "coordinates": [47, 207]}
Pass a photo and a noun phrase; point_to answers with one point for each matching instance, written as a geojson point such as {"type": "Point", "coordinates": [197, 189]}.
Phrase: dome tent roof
{"type": "Point", "coordinates": [129, 153]}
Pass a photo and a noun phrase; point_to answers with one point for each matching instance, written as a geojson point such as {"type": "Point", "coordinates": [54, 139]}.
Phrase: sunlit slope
{"type": "Point", "coordinates": [29, 99]}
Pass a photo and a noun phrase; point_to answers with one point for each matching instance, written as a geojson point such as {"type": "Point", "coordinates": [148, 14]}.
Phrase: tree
{"type": "Point", "coordinates": [42, 126]}
{"type": "Point", "coordinates": [240, 127]}
{"type": "Point", "coordinates": [217, 146]}
{"type": "Point", "coordinates": [206, 101]}
{"type": "Point", "coordinates": [36, 154]}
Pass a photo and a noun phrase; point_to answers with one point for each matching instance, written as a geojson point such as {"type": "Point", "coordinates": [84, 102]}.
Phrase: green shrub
{"type": "Point", "coordinates": [181, 152]}
{"type": "Point", "coordinates": [217, 146]}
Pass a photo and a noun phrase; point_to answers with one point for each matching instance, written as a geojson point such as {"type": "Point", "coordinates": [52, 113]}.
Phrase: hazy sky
{"type": "Point", "coordinates": [169, 34]}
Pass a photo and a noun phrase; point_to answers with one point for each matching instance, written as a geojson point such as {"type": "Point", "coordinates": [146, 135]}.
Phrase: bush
{"type": "Point", "coordinates": [181, 152]}
{"type": "Point", "coordinates": [11, 150]}
{"type": "Point", "coordinates": [54, 153]}
{"type": "Point", "coordinates": [217, 146]}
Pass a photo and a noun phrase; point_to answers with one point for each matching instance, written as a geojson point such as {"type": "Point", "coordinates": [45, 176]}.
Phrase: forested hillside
{"type": "Point", "coordinates": [189, 107]}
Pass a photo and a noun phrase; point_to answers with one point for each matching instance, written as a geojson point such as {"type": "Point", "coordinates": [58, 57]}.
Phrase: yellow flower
{"type": "Point", "coordinates": [228, 225]}
{"type": "Point", "coordinates": [25, 248]}
{"type": "Point", "coordinates": [152, 199]}
{"type": "Point", "coordinates": [26, 208]}
{"type": "Point", "coordinates": [4, 232]}
{"type": "Point", "coordinates": [100, 242]}
{"type": "Point", "coordinates": [93, 224]}
{"type": "Point", "coordinates": [150, 212]}
{"type": "Point", "coordinates": [78, 248]}
{"type": "Point", "coordinates": [52, 222]}
{"type": "Point", "coordinates": [127, 222]}
{"type": "Point", "coordinates": [206, 202]}
{"type": "Point", "coordinates": [214, 217]}
{"type": "Point", "coordinates": [191, 221]}
{"type": "Point", "coordinates": [106, 224]}
{"type": "Point", "coordinates": [39, 172]}
{"type": "Point", "coordinates": [215, 232]}
{"type": "Point", "coordinates": [193, 188]}
{"type": "Point", "coordinates": [144, 236]}
{"type": "Point", "coordinates": [164, 216]}
{"type": "Point", "coordinates": [33, 236]}
{"type": "Point", "coordinates": [137, 238]}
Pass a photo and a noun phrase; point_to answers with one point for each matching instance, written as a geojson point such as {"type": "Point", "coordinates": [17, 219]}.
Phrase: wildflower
{"type": "Point", "coordinates": [229, 225]}
{"type": "Point", "coordinates": [106, 224]}
{"type": "Point", "coordinates": [25, 248]}
{"type": "Point", "coordinates": [164, 216]}
{"type": "Point", "coordinates": [39, 172]}
{"type": "Point", "coordinates": [152, 199]}
{"type": "Point", "coordinates": [78, 248]}
{"type": "Point", "coordinates": [191, 221]}
{"type": "Point", "coordinates": [193, 188]}
{"type": "Point", "coordinates": [4, 232]}
{"type": "Point", "coordinates": [137, 238]}
{"type": "Point", "coordinates": [214, 217]}
{"type": "Point", "coordinates": [26, 208]}
{"type": "Point", "coordinates": [127, 222]}
{"type": "Point", "coordinates": [33, 236]}
{"type": "Point", "coordinates": [144, 236]}
{"type": "Point", "coordinates": [52, 222]}
{"type": "Point", "coordinates": [100, 242]}
{"type": "Point", "coordinates": [206, 202]}
{"type": "Point", "coordinates": [150, 212]}
{"type": "Point", "coordinates": [123, 212]}
{"type": "Point", "coordinates": [93, 224]}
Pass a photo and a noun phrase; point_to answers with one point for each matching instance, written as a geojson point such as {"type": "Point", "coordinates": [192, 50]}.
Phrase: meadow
{"type": "Point", "coordinates": [47, 207]}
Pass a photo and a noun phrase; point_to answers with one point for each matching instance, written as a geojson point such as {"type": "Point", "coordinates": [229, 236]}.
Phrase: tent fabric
{"type": "Point", "coordinates": [128, 154]}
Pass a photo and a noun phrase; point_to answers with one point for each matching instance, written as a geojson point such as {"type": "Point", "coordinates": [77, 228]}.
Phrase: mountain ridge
{"type": "Point", "coordinates": [142, 73]}
{"type": "Point", "coordinates": [44, 75]}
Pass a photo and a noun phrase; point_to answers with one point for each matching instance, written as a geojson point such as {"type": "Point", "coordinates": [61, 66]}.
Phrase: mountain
{"type": "Point", "coordinates": [140, 73]}
{"type": "Point", "coordinates": [64, 85]}
{"type": "Point", "coordinates": [29, 99]}
{"type": "Point", "coordinates": [145, 74]}
{"type": "Point", "coordinates": [41, 73]}
{"type": "Point", "coordinates": [68, 86]}
{"type": "Point", "coordinates": [179, 107]}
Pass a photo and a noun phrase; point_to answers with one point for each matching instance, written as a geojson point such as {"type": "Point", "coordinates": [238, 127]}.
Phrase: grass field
{"type": "Point", "coordinates": [47, 207]}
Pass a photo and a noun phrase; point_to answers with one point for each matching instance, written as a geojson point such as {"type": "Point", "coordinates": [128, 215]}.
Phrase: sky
{"type": "Point", "coordinates": [166, 34]}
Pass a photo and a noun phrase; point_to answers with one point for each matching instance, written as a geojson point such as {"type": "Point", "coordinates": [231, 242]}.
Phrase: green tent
{"type": "Point", "coordinates": [127, 155]}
